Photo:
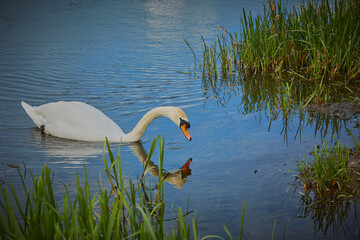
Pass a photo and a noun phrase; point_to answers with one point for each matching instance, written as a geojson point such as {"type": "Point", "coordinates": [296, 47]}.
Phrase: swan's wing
{"type": "Point", "coordinates": [77, 120]}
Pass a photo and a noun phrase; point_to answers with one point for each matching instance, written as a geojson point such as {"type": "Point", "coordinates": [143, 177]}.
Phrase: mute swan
{"type": "Point", "coordinates": [80, 121]}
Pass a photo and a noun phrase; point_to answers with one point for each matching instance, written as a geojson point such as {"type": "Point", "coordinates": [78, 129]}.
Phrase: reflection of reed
{"type": "Point", "coordinates": [177, 177]}
{"type": "Point", "coordinates": [327, 215]}
{"type": "Point", "coordinates": [222, 89]}
{"type": "Point", "coordinates": [264, 97]}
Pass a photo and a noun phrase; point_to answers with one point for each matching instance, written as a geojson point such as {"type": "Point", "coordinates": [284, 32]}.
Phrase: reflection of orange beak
{"type": "Point", "coordinates": [185, 130]}
{"type": "Point", "coordinates": [185, 169]}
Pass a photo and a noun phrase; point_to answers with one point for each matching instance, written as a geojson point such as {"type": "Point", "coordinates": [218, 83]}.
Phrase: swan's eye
{"type": "Point", "coordinates": [182, 122]}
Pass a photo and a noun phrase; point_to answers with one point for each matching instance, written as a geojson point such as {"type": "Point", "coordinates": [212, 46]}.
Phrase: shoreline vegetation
{"type": "Point", "coordinates": [309, 59]}
{"type": "Point", "coordinates": [317, 43]}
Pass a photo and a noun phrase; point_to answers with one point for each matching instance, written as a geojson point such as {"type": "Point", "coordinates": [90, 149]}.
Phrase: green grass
{"type": "Point", "coordinates": [319, 39]}
{"type": "Point", "coordinates": [316, 42]}
{"type": "Point", "coordinates": [329, 174]}
{"type": "Point", "coordinates": [131, 210]}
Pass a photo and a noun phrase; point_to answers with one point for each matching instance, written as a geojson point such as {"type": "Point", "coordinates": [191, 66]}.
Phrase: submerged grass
{"type": "Point", "coordinates": [127, 211]}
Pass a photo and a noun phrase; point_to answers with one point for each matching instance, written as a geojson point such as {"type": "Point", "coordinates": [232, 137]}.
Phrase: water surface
{"type": "Point", "coordinates": [124, 58]}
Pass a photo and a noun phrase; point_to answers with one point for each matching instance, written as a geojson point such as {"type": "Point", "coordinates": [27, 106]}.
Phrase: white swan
{"type": "Point", "coordinates": [80, 121]}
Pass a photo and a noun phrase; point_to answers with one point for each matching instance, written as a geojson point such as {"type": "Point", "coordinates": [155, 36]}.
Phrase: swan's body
{"type": "Point", "coordinates": [80, 121]}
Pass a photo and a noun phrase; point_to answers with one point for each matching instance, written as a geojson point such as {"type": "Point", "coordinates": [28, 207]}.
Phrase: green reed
{"type": "Point", "coordinates": [329, 174]}
{"type": "Point", "coordinates": [316, 42]}
{"type": "Point", "coordinates": [321, 38]}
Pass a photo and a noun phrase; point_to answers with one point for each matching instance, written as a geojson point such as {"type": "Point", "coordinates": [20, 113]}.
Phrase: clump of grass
{"type": "Point", "coordinates": [315, 42]}
{"type": "Point", "coordinates": [330, 174]}
{"type": "Point", "coordinates": [122, 212]}
{"type": "Point", "coordinates": [320, 38]}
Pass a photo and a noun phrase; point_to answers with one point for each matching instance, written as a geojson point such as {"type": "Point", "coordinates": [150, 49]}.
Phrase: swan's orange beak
{"type": "Point", "coordinates": [185, 130]}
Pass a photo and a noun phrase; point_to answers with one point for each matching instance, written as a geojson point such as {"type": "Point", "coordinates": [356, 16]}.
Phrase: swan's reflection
{"type": "Point", "coordinates": [177, 178]}
{"type": "Point", "coordinates": [71, 152]}
{"type": "Point", "coordinates": [76, 152]}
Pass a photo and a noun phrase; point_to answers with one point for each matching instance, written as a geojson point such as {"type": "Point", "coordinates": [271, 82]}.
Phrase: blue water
{"type": "Point", "coordinates": [124, 58]}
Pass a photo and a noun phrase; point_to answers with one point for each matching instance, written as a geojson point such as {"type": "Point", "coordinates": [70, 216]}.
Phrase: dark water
{"type": "Point", "coordinates": [124, 58]}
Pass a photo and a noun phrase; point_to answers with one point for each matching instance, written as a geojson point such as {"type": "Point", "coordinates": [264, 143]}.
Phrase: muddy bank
{"type": "Point", "coordinates": [343, 110]}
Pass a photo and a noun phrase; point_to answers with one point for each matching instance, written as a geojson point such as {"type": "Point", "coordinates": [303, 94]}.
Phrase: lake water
{"type": "Point", "coordinates": [124, 58]}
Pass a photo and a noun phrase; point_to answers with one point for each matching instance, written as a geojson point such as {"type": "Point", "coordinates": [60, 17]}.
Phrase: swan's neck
{"type": "Point", "coordinates": [139, 129]}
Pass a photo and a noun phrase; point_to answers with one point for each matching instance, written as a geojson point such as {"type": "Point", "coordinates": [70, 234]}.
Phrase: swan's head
{"type": "Point", "coordinates": [179, 117]}
{"type": "Point", "coordinates": [184, 126]}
